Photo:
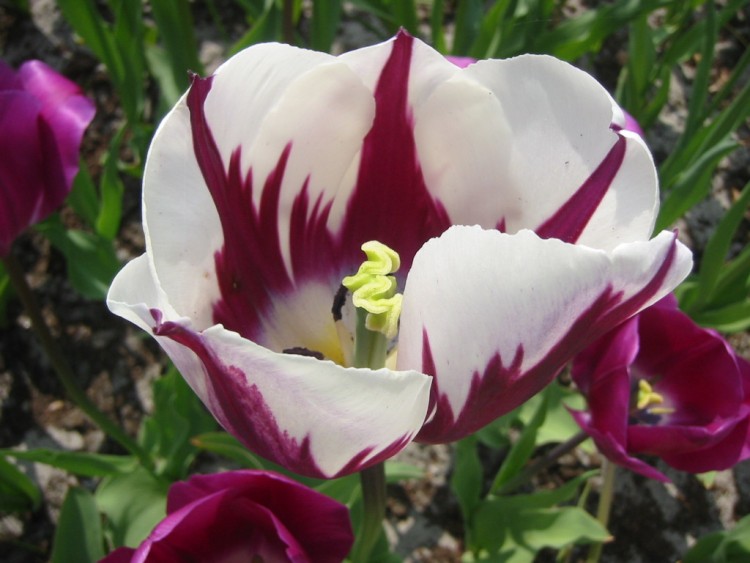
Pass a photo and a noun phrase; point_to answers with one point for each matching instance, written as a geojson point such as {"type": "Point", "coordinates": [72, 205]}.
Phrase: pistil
{"type": "Point", "coordinates": [374, 294]}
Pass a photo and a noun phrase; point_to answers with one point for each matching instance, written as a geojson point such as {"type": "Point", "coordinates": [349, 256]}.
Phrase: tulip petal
{"type": "Point", "coordinates": [311, 416]}
{"type": "Point", "coordinates": [68, 113]}
{"type": "Point", "coordinates": [614, 450]}
{"type": "Point", "coordinates": [537, 148]}
{"type": "Point", "coordinates": [493, 317]}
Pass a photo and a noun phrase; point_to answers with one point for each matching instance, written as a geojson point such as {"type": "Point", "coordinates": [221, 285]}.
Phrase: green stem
{"type": "Point", "coordinates": [542, 463]}
{"type": "Point", "coordinates": [60, 364]}
{"type": "Point", "coordinates": [372, 480]}
{"type": "Point", "coordinates": [606, 495]}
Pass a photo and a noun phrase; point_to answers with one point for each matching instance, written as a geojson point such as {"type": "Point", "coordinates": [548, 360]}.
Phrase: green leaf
{"type": "Point", "coordinates": [467, 479]}
{"type": "Point", "coordinates": [521, 451]}
{"type": "Point", "coordinates": [178, 416]}
{"type": "Point", "coordinates": [79, 531]}
{"type": "Point", "coordinates": [468, 20]}
{"type": "Point", "coordinates": [228, 446]}
{"type": "Point", "coordinates": [396, 471]}
{"type": "Point", "coordinates": [732, 318]}
{"type": "Point", "coordinates": [83, 197]}
{"type": "Point", "coordinates": [90, 259]}
{"type": "Point", "coordinates": [692, 185]}
{"type": "Point", "coordinates": [111, 189]}
{"type": "Point", "coordinates": [716, 251]}
{"type": "Point", "coordinates": [17, 491]}
{"type": "Point", "coordinates": [78, 463]}
{"type": "Point", "coordinates": [728, 546]}
{"type": "Point", "coordinates": [176, 30]}
{"type": "Point", "coordinates": [499, 527]}
{"type": "Point", "coordinates": [326, 17]}
{"type": "Point", "coordinates": [133, 504]}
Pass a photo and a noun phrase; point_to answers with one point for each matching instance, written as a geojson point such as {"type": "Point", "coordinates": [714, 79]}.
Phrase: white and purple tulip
{"type": "Point", "coordinates": [521, 217]}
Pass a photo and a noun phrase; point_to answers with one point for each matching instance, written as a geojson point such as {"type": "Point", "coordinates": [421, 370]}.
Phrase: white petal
{"type": "Point", "coordinates": [314, 417]}
{"type": "Point", "coordinates": [521, 136]}
{"type": "Point", "coordinates": [503, 313]}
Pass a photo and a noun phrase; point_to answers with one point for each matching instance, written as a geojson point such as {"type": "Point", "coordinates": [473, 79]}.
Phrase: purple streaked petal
{"type": "Point", "coordinates": [493, 317]}
{"type": "Point", "coordinates": [391, 202]}
{"type": "Point", "coordinates": [314, 417]}
{"type": "Point", "coordinates": [535, 137]}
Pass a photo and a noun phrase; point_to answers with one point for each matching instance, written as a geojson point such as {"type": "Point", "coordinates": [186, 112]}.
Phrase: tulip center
{"type": "Point", "coordinates": [378, 304]}
{"type": "Point", "coordinates": [648, 403]}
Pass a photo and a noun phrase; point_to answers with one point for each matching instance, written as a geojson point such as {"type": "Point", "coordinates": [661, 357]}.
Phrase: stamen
{"type": "Point", "coordinates": [374, 290]}
{"type": "Point", "coordinates": [648, 399]}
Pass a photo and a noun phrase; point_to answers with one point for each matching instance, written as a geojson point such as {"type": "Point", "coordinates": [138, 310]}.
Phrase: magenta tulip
{"type": "Point", "coordinates": [663, 386]}
{"type": "Point", "coordinates": [240, 516]}
{"type": "Point", "coordinates": [42, 116]}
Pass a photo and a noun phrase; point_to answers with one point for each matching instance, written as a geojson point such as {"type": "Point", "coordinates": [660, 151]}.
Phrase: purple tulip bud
{"type": "Point", "coordinates": [42, 116]}
{"type": "Point", "coordinates": [245, 516]}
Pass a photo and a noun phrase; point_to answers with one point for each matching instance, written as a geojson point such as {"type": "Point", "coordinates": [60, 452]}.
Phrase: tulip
{"type": "Point", "coordinates": [519, 221]}
{"type": "Point", "coordinates": [663, 386]}
{"type": "Point", "coordinates": [43, 116]}
{"type": "Point", "coordinates": [245, 516]}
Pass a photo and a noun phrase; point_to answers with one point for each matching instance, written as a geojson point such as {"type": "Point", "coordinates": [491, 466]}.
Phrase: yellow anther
{"type": "Point", "coordinates": [374, 290]}
{"type": "Point", "coordinates": [647, 397]}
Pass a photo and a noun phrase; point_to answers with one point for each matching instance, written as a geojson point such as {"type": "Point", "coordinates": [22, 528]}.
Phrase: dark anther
{"type": "Point", "coordinates": [339, 301]}
{"type": "Point", "coordinates": [300, 351]}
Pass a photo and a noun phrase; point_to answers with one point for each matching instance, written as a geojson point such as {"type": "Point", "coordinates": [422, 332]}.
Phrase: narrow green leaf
{"type": "Point", "coordinates": [437, 26]}
{"type": "Point", "coordinates": [521, 451]}
{"type": "Point", "coordinates": [90, 259]}
{"type": "Point", "coordinates": [326, 17]}
{"type": "Point", "coordinates": [692, 185]}
{"type": "Point", "coordinates": [17, 491]}
{"type": "Point", "coordinates": [111, 189]}
{"type": "Point", "coordinates": [466, 480]}
{"type": "Point", "coordinates": [78, 463]}
{"type": "Point", "coordinates": [176, 30]}
{"type": "Point", "coordinates": [732, 318]}
{"type": "Point", "coordinates": [717, 249]}
{"type": "Point", "coordinates": [468, 21]}
{"type": "Point", "coordinates": [83, 197]}
{"type": "Point", "coordinates": [79, 531]}
{"type": "Point", "coordinates": [228, 446]}
{"type": "Point", "coordinates": [701, 82]}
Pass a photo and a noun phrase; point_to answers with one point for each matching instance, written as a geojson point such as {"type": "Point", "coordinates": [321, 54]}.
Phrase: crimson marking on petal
{"type": "Point", "coordinates": [501, 388]}
{"type": "Point", "coordinates": [250, 266]}
{"type": "Point", "coordinates": [391, 202]}
{"type": "Point", "coordinates": [571, 219]}
{"type": "Point", "coordinates": [240, 408]}
{"type": "Point", "coordinates": [630, 307]}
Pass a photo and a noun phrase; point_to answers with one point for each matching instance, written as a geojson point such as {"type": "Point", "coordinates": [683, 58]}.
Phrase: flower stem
{"type": "Point", "coordinates": [542, 463]}
{"type": "Point", "coordinates": [606, 495]}
{"type": "Point", "coordinates": [372, 481]}
{"type": "Point", "coordinates": [60, 365]}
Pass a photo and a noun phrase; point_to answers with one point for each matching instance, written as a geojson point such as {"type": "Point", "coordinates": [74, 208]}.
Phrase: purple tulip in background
{"type": "Point", "coordinates": [42, 118]}
{"type": "Point", "coordinates": [521, 215]}
{"type": "Point", "coordinates": [661, 385]}
{"type": "Point", "coordinates": [241, 516]}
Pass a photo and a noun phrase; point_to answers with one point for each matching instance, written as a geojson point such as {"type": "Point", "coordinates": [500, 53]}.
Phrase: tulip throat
{"type": "Point", "coordinates": [378, 304]}
{"type": "Point", "coordinates": [649, 400]}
